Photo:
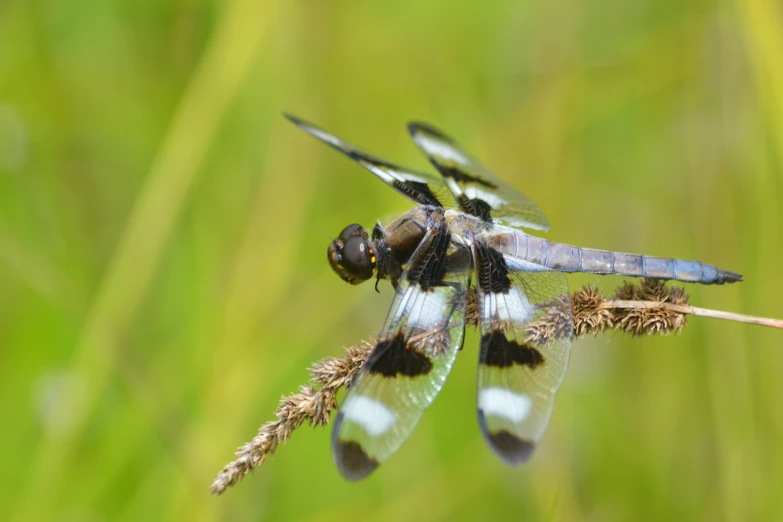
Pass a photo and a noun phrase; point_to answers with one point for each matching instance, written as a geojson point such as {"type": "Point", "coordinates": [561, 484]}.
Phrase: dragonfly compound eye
{"type": "Point", "coordinates": [351, 256]}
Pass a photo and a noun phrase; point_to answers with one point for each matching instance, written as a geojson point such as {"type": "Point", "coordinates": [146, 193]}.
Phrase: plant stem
{"type": "Point", "coordinates": [692, 310]}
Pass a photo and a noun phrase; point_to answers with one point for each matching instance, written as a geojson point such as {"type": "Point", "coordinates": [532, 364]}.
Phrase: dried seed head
{"type": "Point", "coordinates": [472, 313]}
{"type": "Point", "coordinates": [336, 373]}
{"type": "Point", "coordinates": [556, 323]}
{"type": "Point", "coordinates": [589, 316]}
{"type": "Point", "coordinates": [314, 406]}
{"type": "Point", "coordinates": [656, 320]}
{"type": "Point", "coordinates": [652, 290]}
{"type": "Point", "coordinates": [650, 319]}
{"type": "Point", "coordinates": [433, 344]}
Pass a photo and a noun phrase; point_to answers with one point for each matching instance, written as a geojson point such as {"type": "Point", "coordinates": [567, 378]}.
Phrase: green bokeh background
{"type": "Point", "coordinates": [163, 277]}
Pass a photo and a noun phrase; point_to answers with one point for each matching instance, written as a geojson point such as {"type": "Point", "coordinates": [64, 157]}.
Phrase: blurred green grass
{"type": "Point", "coordinates": [163, 229]}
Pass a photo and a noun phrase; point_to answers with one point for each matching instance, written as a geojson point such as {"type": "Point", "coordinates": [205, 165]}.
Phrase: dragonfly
{"type": "Point", "coordinates": [462, 248]}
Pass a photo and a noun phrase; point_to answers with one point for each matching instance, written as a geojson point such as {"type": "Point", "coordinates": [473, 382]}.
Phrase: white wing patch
{"type": "Point", "coordinates": [373, 416]}
{"type": "Point", "coordinates": [513, 306]}
{"type": "Point", "coordinates": [325, 136]}
{"type": "Point", "coordinates": [501, 402]}
{"type": "Point", "coordinates": [381, 173]}
{"type": "Point", "coordinates": [438, 148]}
{"type": "Point", "coordinates": [410, 177]}
{"type": "Point", "coordinates": [490, 198]}
{"type": "Point", "coordinates": [428, 313]}
{"type": "Point", "coordinates": [389, 175]}
{"type": "Point", "coordinates": [453, 186]}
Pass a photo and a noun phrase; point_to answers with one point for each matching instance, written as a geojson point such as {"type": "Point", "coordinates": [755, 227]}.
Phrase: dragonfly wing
{"type": "Point", "coordinates": [526, 325]}
{"type": "Point", "coordinates": [420, 187]}
{"type": "Point", "coordinates": [411, 358]}
{"type": "Point", "coordinates": [476, 190]}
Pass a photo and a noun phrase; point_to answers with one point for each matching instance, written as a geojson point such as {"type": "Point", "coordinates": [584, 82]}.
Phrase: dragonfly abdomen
{"type": "Point", "coordinates": [567, 258]}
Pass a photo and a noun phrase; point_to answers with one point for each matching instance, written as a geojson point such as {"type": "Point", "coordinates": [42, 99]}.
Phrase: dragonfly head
{"type": "Point", "coordinates": [351, 256]}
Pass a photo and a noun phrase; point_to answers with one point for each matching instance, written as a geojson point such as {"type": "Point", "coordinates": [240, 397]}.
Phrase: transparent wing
{"type": "Point", "coordinates": [476, 190]}
{"type": "Point", "coordinates": [526, 325]}
{"type": "Point", "coordinates": [411, 358]}
{"type": "Point", "coordinates": [422, 188]}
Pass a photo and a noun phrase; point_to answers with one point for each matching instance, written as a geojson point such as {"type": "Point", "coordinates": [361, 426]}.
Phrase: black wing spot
{"type": "Point", "coordinates": [475, 207]}
{"type": "Point", "coordinates": [395, 357]}
{"type": "Point", "coordinates": [498, 351]}
{"type": "Point", "coordinates": [418, 191]}
{"type": "Point", "coordinates": [492, 271]}
{"type": "Point", "coordinates": [429, 268]}
{"type": "Point", "coordinates": [513, 450]}
{"type": "Point", "coordinates": [353, 461]}
{"type": "Point", "coordinates": [361, 157]}
{"type": "Point", "coordinates": [456, 173]}
{"type": "Point", "coordinates": [510, 448]}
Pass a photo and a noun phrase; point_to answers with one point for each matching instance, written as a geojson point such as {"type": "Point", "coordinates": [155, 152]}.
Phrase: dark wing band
{"type": "Point", "coordinates": [422, 188]}
{"type": "Point", "coordinates": [477, 191]}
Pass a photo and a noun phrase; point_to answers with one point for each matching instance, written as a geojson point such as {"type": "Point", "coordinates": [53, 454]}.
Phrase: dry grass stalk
{"type": "Point", "coordinates": [650, 307]}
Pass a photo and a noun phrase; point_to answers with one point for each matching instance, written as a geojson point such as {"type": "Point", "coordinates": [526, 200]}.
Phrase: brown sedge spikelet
{"type": "Point", "coordinates": [314, 406]}
{"type": "Point", "coordinates": [472, 312]}
{"type": "Point", "coordinates": [654, 319]}
{"type": "Point", "coordinates": [556, 323]}
{"type": "Point", "coordinates": [589, 316]}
